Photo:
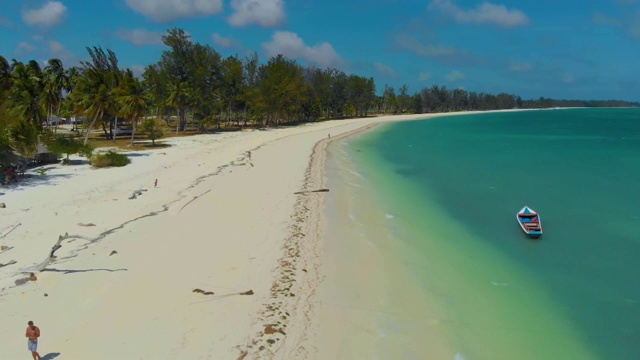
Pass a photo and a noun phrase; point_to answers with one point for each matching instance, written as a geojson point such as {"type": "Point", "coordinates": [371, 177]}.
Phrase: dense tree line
{"type": "Point", "coordinates": [549, 103]}
{"type": "Point", "coordinates": [193, 86]}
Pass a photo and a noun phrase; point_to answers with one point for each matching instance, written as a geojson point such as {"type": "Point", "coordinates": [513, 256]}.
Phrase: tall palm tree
{"type": "Point", "coordinates": [26, 92]}
{"type": "Point", "coordinates": [95, 85]}
{"type": "Point", "coordinates": [179, 98]}
{"type": "Point", "coordinates": [56, 81]}
{"type": "Point", "coordinates": [132, 100]}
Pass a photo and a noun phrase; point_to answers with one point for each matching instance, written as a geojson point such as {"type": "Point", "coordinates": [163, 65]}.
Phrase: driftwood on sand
{"type": "Point", "coordinates": [311, 191]}
{"type": "Point", "coordinates": [200, 291]}
{"type": "Point", "coordinates": [136, 193]}
{"type": "Point", "coordinates": [43, 265]}
{"type": "Point", "coordinates": [7, 264]}
{"type": "Point", "coordinates": [10, 230]}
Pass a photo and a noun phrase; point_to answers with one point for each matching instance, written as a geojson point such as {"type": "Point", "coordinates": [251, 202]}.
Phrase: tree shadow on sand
{"type": "Point", "coordinates": [31, 180]}
{"type": "Point", "coordinates": [50, 356]}
{"type": "Point", "coordinates": [71, 271]}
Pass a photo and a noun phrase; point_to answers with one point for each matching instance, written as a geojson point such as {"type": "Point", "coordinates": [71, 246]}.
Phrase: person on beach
{"type": "Point", "coordinates": [33, 333]}
{"type": "Point", "coordinates": [249, 155]}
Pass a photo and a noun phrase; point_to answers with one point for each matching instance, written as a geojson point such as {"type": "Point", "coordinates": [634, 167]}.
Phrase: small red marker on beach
{"type": "Point", "coordinates": [156, 183]}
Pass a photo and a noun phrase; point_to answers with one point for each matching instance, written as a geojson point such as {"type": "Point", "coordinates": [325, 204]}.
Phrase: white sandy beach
{"type": "Point", "coordinates": [215, 222]}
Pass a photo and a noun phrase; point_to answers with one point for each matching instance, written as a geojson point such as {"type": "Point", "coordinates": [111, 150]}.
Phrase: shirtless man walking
{"type": "Point", "coordinates": [33, 333]}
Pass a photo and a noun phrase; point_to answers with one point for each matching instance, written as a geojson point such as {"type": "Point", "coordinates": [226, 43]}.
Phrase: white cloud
{"type": "Point", "coordinates": [24, 48]}
{"type": "Point", "coordinates": [424, 76]}
{"type": "Point", "coordinates": [137, 70]}
{"type": "Point", "coordinates": [223, 41]}
{"type": "Point", "coordinates": [454, 76]}
{"type": "Point", "coordinates": [485, 13]}
{"type": "Point", "coordinates": [58, 51]}
{"type": "Point", "coordinates": [50, 14]}
{"type": "Point", "coordinates": [266, 13]}
{"type": "Point", "coordinates": [520, 67]}
{"type": "Point", "coordinates": [384, 70]}
{"type": "Point", "coordinates": [291, 45]}
{"type": "Point", "coordinates": [140, 36]}
{"type": "Point", "coordinates": [169, 10]}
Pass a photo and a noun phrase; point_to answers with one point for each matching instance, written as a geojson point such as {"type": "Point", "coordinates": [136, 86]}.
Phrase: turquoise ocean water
{"type": "Point", "coordinates": [439, 200]}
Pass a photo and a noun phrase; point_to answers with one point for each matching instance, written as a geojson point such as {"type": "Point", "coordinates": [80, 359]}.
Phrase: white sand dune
{"type": "Point", "coordinates": [216, 222]}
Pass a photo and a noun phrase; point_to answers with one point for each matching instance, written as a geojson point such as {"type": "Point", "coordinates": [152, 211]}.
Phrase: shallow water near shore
{"type": "Point", "coordinates": [422, 231]}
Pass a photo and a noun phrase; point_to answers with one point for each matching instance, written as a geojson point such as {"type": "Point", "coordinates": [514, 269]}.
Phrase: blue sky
{"type": "Point", "coordinates": [572, 49]}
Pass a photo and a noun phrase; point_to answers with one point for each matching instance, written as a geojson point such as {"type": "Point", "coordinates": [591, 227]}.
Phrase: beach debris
{"type": "Point", "coordinates": [2, 205]}
{"type": "Point", "coordinates": [271, 329]}
{"type": "Point", "coordinates": [32, 277]}
{"type": "Point", "coordinates": [250, 292]}
{"type": "Point", "coordinates": [113, 253]}
{"type": "Point", "coordinates": [7, 264]}
{"type": "Point", "coordinates": [243, 355]}
{"type": "Point", "coordinates": [8, 232]}
{"type": "Point", "coordinates": [4, 248]}
{"type": "Point", "coordinates": [54, 248]}
{"type": "Point", "coordinates": [88, 224]}
{"type": "Point", "coordinates": [45, 294]}
{"type": "Point", "coordinates": [190, 201]}
{"type": "Point", "coordinates": [135, 193]}
{"type": "Point", "coordinates": [200, 291]}
{"type": "Point", "coordinates": [311, 191]}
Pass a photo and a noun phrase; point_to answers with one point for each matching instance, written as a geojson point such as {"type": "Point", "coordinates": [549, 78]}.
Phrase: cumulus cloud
{"type": "Point", "coordinates": [454, 76]}
{"type": "Point", "coordinates": [520, 67]}
{"type": "Point", "coordinates": [424, 76]}
{"type": "Point", "coordinates": [140, 36]}
{"type": "Point", "coordinates": [265, 13]}
{"type": "Point", "coordinates": [168, 10]}
{"type": "Point", "coordinates": [223, 41]}
{"type": "Point", "coordinates": [50, 14]}
{"type": "Point", "coordinates": [485, 13]}
{"type": "Point", "coordinates": [57, 50]}
{"type": "Point", "coordinates": [291, 45]}
{"type": "Point", "coordinates": [384, 70]}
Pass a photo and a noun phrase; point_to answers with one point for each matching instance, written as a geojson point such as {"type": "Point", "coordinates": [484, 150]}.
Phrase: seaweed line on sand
{"type": "Point", "coordinates": [297, 275]}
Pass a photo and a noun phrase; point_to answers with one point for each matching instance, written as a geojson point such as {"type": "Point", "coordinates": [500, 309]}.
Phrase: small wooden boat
{"type": "Point", "coordinates": [530, 222]}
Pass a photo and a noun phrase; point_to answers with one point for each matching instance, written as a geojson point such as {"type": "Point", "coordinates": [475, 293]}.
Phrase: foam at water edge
{"type": "Point", "coordinates": [458, 356]}
{"type": "Point", "coordinates": [388, 216]}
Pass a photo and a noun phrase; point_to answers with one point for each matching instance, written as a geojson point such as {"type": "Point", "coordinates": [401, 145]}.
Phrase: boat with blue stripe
{"type": "Point", "coordinates": [530, 222]}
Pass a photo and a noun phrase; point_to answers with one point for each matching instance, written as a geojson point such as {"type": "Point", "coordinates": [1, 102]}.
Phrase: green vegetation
{"type": "Point", "coordinates": [192, 88]}
{"type": "Point", "coordinates": [111, 158]}
{"type": "Point", "coordinates": [68, 145]}
{"type": "Point", "coordinates": [153, 129]}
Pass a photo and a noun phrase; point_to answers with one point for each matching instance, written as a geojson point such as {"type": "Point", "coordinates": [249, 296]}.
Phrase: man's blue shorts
{"type": "Point", "coordinates": [33, 345]}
